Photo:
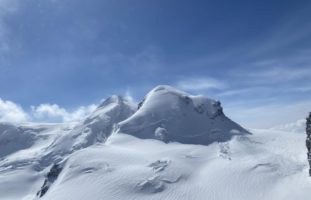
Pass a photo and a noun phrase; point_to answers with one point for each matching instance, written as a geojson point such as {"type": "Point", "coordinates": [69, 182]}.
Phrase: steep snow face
{"type": "Point", "coordinates": [171, 115]}
{"type": "Point", "coordinates": [99, 125]}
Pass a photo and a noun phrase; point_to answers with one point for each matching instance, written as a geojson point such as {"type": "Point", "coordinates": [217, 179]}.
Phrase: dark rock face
{"type": "Point", "coordinates": [308, 141]}
{"type": "Point", "coordinates": [141, 103]}
{"type": "Point", "coordinates": [50, 178]}
{"type": "Point", "coordinates": [218, 108]}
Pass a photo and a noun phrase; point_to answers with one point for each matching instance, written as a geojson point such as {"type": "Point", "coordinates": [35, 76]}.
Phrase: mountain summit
{"type": "Point", "coordinates": [172, 115]}
{"type": "Point", "coordinates": [97, 127]}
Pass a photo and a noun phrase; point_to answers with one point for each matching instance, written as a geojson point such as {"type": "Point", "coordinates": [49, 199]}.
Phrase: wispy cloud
{"type": "Point", "coordinates": [128, 95]}
{"type": "Point", "coordinates": [199, 84]}
{"type": "Point", "coordinates": [281, 73]}
{"type": "Point", "coordinates": [235, 92]}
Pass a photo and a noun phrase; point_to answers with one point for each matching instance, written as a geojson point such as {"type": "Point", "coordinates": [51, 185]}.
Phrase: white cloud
{"type": "Point", "coordinates": [48, 112]}
{"type": "Point", "coordinates": [199, 84]}
{"type": "Point", "coordinates": [11, 112]}
{"type": "Point", "coordinates": [268, 116]}
{"type": "Point", "coordinates": [236, 92]}
{"type": "Point", "coordinates": [299, 126]}
{"type": "Point", "coordinates": [80, 113]}
{"type": "Point", "coordinates": [55, 113]}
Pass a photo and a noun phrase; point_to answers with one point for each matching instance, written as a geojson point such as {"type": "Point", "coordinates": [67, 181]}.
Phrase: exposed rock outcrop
{"type": "Point", "coordinates": [50, 179]}
{"type": "Point", "coordinates": [308, 140]}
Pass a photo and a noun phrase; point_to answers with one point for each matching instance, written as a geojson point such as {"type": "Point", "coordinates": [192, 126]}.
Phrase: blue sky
{"type": "Point", "coordinates": [254, 56]}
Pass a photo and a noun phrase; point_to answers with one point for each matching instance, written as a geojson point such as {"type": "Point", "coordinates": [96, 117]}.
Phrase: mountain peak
{"type": "Point", "coordinates": [112, 99]}
{"type": "Point", "coordinates": [181, 117]}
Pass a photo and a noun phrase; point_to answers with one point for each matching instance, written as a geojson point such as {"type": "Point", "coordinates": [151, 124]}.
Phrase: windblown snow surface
{"type": "Point", "coordinates": [105, 157]}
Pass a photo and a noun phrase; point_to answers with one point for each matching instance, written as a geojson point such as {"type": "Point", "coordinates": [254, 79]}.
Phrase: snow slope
{"type": "Point", "coordinates": [266, 165]}
{"type": "Point", "coordinates": [171, 115]}
{"type": "Point", "coordinates": [99, 158]}
{"type": "Point", "coordinates": [14, 138]}
{"type": "Point", "coordinates": [22, 170]}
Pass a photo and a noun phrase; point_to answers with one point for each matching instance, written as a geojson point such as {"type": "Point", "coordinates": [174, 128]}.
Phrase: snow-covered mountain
{"type": "Point", "coordinates": [171, 115]}
{"type": "Point", "coordinates": [151, 151]}
{"type": "Point", "coordinates": [97, 127]}
{"type": "Point", "coordinates": [38, 147]}
{"type": "Point", "coordinates": [58, 140]}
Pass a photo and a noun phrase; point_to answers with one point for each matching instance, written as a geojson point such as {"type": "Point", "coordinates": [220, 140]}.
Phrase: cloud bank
{"type": "Point", "coordinates": [11, 112]}
{"type": "Point", "coordinates": [14, 113]}
{"type": "Point", "coordinates": [55, 113]}
{"type": "Point", "coordinates": [269, 116]}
